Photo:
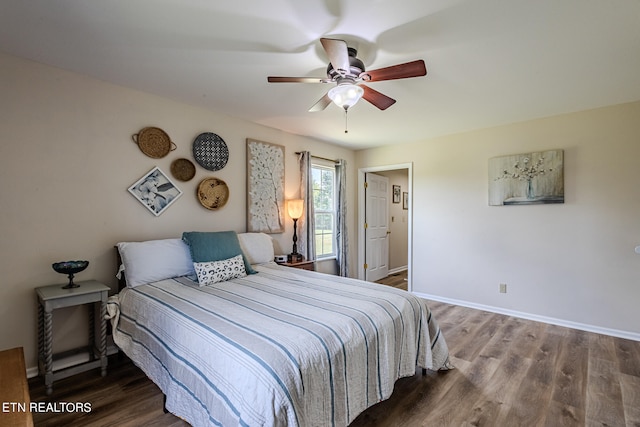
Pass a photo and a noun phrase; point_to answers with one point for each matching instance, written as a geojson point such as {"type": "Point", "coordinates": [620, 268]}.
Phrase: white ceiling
{"type": "Point", "coordinates": [489, 62]}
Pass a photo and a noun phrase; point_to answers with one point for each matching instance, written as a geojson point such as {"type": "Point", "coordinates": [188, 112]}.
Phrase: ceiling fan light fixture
{"type": "Point", "coordinates": [346, 95]}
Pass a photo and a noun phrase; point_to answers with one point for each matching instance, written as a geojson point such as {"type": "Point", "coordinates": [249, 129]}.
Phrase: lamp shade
{"type": "Point", "coordinates": [295, 207]}
{"type": "Point", "coordinates": [346, 95]}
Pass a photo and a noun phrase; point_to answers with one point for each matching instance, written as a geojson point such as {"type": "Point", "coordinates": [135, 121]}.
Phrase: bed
{"type": "Point", "coordinates": [273, 346]}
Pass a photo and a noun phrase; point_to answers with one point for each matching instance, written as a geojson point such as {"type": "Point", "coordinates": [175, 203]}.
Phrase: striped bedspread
{"type": "Point", "coordinates": [284, 347]}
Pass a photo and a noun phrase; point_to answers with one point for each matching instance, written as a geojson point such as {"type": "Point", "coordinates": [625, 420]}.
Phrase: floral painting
{"type": "Point", "coordinates": [525, 179]}
{"type": "Point", "coordinates": [265, 182]}
{"type": "Point", "coordinates": [155, 191]}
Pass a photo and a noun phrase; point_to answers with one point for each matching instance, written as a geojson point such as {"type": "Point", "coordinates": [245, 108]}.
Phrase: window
{"type": "Point", "coordinates": [324, 204]}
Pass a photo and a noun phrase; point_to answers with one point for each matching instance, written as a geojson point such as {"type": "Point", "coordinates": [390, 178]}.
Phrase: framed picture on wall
{"type": "Point", "coordinates": [155, 191]}
{"type": "Point", "coordinates": [405, 200]}
{"type": "Point", "coordinates": [526, 179]}
{"type": "Point", "coordinates": [265, 187]}
{"type": "Point", "coordinates": [396, 193]}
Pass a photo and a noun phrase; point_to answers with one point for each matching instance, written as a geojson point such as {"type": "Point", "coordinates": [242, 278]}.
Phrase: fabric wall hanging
{"type": "Point", "coordinates": [210, 151]}
{"type": "Point", "coordinates": [265, 182]}
{"type": "Point", "coordinates": [154, 142]}
{"type": "Point", "coordinates": [155, 191]}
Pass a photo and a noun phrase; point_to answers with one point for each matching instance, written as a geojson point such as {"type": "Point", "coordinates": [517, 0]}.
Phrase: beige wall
{"type": "Point", "coordinates": [574, 262]}
{"type": "Point", "coordinates": [66, 161]}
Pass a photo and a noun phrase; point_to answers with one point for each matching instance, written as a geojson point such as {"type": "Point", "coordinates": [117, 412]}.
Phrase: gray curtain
{"type": "Point", "coordinates": [342, 235]}
{"type": "Point", "coordinates": [306, 224]}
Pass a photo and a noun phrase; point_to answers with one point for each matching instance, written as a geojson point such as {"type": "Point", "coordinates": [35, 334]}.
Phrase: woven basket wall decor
{"type": "Point", "coordinates": [213, 193]}
{"type": "Point", "coordinates": [183, 169]}
{"type": "Point", "coordinates": [154, 142]}
{"type": "Point", "coordinates": [210, 151]}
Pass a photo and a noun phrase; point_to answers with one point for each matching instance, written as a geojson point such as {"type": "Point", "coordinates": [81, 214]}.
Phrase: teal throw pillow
{"type": "Point", "coordinates": [206, 246]}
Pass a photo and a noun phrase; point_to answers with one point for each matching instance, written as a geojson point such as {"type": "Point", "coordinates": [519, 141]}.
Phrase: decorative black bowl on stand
{"type": "Point", "coordinates": [70, 268]}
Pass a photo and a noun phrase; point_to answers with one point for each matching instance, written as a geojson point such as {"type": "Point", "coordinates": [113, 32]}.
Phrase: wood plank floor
{"type": "Point", "coordinates": [509, 372]}
{"type": "Point", "coordinates": [397, 280]}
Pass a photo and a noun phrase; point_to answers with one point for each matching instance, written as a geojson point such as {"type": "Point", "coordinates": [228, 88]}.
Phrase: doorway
{"type": "Point", "coordinates": [400, 221]}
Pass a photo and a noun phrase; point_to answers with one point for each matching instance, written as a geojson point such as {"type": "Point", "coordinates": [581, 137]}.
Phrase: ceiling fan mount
{"type": "Point", "coordinates": [356, 68]}
{"type": "Point", "coordinates": [348, 72]}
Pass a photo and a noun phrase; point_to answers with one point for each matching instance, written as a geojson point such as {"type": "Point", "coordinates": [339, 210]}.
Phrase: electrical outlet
{"type": "Point", "coordinates": [503, 288]}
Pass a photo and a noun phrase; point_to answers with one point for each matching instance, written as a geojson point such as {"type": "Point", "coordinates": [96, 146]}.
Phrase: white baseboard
{"type": "Point", "coordinates": [537, 318]}
{"type": "Point", "coordinates": [398, 269]}
{"type": "Point", "coordinates": [32, 372]}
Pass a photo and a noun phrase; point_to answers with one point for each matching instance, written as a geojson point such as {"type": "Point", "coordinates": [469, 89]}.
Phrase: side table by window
{"type": "Point", "coordinates": [53, 297]}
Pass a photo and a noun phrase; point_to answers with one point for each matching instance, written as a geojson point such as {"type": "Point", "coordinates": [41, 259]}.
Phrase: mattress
{"type": "Point", "coordinates": [283, 347]}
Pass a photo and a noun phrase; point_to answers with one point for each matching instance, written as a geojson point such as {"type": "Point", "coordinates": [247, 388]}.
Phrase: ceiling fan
{"type": "Point", "coordinates": [348, 72]}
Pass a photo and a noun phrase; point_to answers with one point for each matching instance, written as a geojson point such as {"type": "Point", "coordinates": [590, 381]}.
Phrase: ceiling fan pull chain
{"type": "Point", "coordinates": [345, 121]}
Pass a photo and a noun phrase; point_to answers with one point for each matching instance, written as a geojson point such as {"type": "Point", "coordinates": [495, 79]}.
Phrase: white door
{"type": "Point", "coordinates": [376, 227]}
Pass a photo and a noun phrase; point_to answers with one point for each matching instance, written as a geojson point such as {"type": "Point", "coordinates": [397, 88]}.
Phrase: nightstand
{"type": "Point", "coordinates": [302, 265]}
{"type": "Point", "coordinates": [54, 296]}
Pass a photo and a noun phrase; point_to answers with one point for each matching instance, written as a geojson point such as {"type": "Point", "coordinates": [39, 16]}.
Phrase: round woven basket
{"type": "Point", "coordinates": [154, 142]}
{"type": "Point", "coordinates": [213, 193]}
{"type": "Point", "coordinates": [210, 151]}
{"type": "Point", "coordinates": [183, 169]}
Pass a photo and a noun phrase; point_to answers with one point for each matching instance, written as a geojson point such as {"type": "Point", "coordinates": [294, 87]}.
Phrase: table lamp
{"type": "Point", "coordinates": [295, 208]}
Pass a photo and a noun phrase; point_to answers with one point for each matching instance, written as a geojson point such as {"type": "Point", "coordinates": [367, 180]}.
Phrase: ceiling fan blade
{"type": "Point", "coordinates": [400, 71]}
{"type": "Point", "coordinates": [272, 79]}
{"type": "Point", "coordinates": [321, 104]}
{"type": "Point", "coordinates": [338, 54]}
{"type": "Point", "coordinates": [378, 99]}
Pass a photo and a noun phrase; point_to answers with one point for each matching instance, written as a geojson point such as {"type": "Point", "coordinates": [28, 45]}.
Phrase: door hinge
{"type": "Point", "coordinates": [366, 265]}
{"type": "Point", "coordinates": [366, 225]}
{"type": "Point", "coordinates": [366, 185]}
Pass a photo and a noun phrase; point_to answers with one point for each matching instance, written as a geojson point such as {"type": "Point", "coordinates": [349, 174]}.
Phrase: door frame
{"type": "Point", "coordinates": [361, 217]}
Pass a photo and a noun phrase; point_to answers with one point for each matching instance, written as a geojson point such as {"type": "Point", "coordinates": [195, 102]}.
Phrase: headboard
{"type": "Point", "coordinates": [122, 282]}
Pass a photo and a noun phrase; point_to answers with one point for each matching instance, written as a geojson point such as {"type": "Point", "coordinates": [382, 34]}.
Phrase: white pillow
{"type": "Point", "coordinates": [219, 271]}
{"type": "Point", "coordinates": [257, 247]}
{"type": "Point", "coordinates": [153, 260]}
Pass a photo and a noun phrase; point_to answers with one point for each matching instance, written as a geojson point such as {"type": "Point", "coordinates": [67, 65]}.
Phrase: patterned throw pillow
{"type": "Point", "coordinates": [219, 271]}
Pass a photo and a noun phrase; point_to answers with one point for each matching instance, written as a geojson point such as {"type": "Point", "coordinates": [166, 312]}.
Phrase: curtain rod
{"type": "Point", "coordinates": [321, 158]}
